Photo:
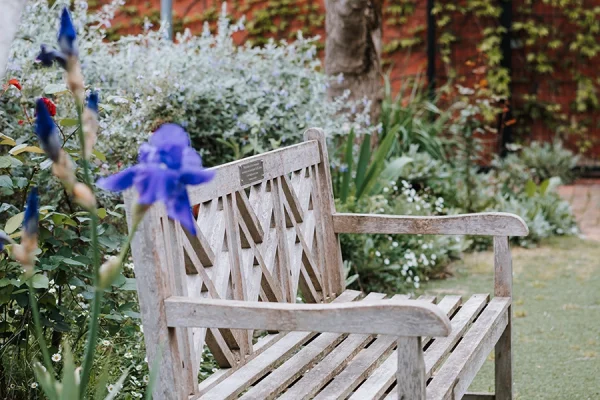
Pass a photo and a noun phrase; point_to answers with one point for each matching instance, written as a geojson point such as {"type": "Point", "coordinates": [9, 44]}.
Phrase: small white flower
{"type": "Point", "coordinates": [52, 290]}
{"type": "Point", "coordinates": [105, 343]}
{"type": "Point", "coordinates": [417, 284]}
{"type": "Point", "coordinates": [128, 355]}
{"type": "Point", "coordinates": [72, 287]}
{"type": "Point", "coordinates": [146, 378]}
{"type": "Point", "coordinates": [433, 257]}
{"type": "Point", "coordinates": [146, 360]}
{"type": "Point", "coordinates": [34, 385]}
{"type": "Point", "coordinates": [51, 283]}
{"type": "Point", "coordinates": [386, 189]}
{"type": "Point", "coordinates": [110, 388]}
{"type": "Point", "coordinates": [377, 253]}
{"type": "Point", "coordinates": [56, 357]}
{"type": "Point", "coordinates": [395, 244]}
{"type": "Point", "coordinates": [386, 261]}
{"type": "Point", "coordinates": [138, 367]}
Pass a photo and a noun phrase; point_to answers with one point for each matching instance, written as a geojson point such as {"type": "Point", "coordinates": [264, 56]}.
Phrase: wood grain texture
{"type": "Point", "coordinates": [293, 368]}
{"type": "Point", "coordinates": [328, 368]}
{"type": "Point", "coordinates": [382, 378]}
{"type": "Point", "coordinates": [274, 355]}
{"type": "Point", "coordinates": [386, 317]}
{"type": "Point", "coordinates": [410, 375]}
{"type": "Point", "coordinates": [490, 224]}
{"type": "Point", "coordinates": [275, 163]}
{"type": "Point", "coordinates": [155, 283]}
{"type": "Point", "coordinates": [503, 287]}
{"type": "Point", "coordinates": [323, 188]}
{"type": "Point", "coordinates": [459, 370]}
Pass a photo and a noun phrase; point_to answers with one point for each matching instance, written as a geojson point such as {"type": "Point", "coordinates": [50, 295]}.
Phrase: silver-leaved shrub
{"type": "Point", "coordinates": [233, 100]}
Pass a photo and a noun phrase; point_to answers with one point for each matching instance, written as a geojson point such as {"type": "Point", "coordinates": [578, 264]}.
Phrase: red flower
{"type": "Point", "coordinates": [21, 122]}
{"type": "Point", "coordinates": [14, 82]}
{"type": "Point", "coordinates": [50, 106]}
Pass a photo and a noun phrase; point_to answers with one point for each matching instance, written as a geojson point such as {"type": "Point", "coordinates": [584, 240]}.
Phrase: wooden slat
{"type": "Point", "coordinates": [491, 224]}
{"type": "Point", "coordinates": [249, 217]}
{"type": "Point", "coordinates": [384, 376]}
{"type": "Point", "coordinates": [330, 366]}
{"type": "Point", "coordinates": [275, 163]}
{"type": "Point", "coordinates": [300, 362]}
{"type": "Point", "coordinates": [385, 317]}
{"type": "Point", "coordinates": [442, 346]}
{"type": "Point", "coordinates": [410, 374]}
{"type": "Point", "coordinates": [155, 283]}
{"type": "Point", "coordinates": [242, 378]}
{"type": "Point", "coordinates": [363, 364]}
{"type": "Point", "coordinates": [503, 282]}
{"type": "Point", "coordinates": [457, 373]}
{"type": "Point", "coordinates": [324, 191]}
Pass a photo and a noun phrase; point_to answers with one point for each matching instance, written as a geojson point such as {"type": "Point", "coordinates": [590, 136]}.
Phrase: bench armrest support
{"type": "Point", "coordinates": [386, 317]}
{"type": "Point", "coordinates": [489, 224]}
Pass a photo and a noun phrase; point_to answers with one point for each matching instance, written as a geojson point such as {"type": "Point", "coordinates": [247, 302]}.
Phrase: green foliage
{"type": "Point", "coordinates": [544, 161]}
{"type": "Point", "coordinates": [413, 118]}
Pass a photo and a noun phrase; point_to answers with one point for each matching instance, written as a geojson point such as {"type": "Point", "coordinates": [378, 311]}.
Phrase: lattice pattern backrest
{"type": "Point", "coordinates": [260, 238]}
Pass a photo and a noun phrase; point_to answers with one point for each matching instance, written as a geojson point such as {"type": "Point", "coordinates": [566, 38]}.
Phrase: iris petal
{"type": "Point", "coordinates": [196, 176]}
{"type": "Point", "coordinates": [46, 131]}
{"type": "Point", "coordinates": [67, 34]}
{"type": "Point", "coordinates": [119, 181]}
{"type": "Point", "coordinates": [169, 136]}
{"type": "Point", "coordinates": [179, 209]}
{"type": "Point", "coordinates": [30, 219]}
{"type": "Point", "coordinates": [154, 183]}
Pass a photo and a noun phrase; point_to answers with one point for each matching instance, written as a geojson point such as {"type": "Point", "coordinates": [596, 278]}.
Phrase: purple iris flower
{"type": "Point", "coordinates": [92, 102]}
{"type": "Point", "coordinates": [67, 34]}
{"type": "Point", "coordinates": [167, 164]}
{"type": "Point", "coordinates": [46, 131]}
{"type": "Point", "coordinates": [30, 220]}
{"type": "Point", "coordinates": [66, 42]}
{"type": "Point", "coordinates": [48, 56]}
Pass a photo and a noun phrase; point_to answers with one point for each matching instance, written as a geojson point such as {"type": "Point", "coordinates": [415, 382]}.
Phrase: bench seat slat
{"type": "Point", "coordinates": [300, 362]}
{"type": "Point", "coordinates": [325, 370]}
{"type": "Point", "coordinates": [241, 378]}
{"type": "Point", "coordinates": [361, 366]}
{"type": "Point", "coordinates": [384, 377]}
{"type": "Point", "coordinates": [458, 371]}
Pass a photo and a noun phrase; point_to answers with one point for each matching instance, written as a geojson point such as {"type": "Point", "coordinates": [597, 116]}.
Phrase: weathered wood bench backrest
{"type": "Point", "coordinates": [265, 233]}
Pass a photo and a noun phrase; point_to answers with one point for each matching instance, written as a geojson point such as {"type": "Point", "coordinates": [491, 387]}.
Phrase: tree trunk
{"type": "Point", "coordinates": [353, 48]}
{"type": "Point", "coordinates": [10, 16]}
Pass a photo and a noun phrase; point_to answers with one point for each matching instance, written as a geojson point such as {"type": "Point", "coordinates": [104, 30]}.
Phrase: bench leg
{"type": "Point", "coordinates": [503, 284]}
{"type": "Point", "coordinates": [503, 360]}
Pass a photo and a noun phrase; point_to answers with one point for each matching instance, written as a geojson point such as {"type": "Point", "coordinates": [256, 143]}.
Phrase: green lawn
{"type": "Point", "coordinates": [556, 334]}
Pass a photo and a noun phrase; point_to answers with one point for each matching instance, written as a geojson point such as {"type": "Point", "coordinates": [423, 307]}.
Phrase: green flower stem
{"type": "Point", "coordinates": [90, 349]}
{"type": "Point", "coordinates": [38, 330]}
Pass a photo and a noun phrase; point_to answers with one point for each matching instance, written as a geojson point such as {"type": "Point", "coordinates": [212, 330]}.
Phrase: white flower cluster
{"type": "Point", "coordinates": [218, 91]}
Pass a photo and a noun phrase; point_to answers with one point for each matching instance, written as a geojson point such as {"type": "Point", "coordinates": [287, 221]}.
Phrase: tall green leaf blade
{"type": "Point", "coordinates": [348, 159]}
{"type": "Point", "coordinates": [363, 161]}
{"type": "Point", "coordinates": [377, 165]}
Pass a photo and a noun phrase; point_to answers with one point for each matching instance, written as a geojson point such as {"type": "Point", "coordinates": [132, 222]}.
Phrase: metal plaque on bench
{"type": "Point", "coordinates": [252, 172]}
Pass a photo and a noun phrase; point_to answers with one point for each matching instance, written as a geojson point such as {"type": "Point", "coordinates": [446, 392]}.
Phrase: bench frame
{"type": "Point", "coordinates": [168, 311]}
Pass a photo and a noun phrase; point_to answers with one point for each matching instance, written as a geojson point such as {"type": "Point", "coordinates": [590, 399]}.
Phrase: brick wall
{"type": "Point", "coordinates": [557, 88]}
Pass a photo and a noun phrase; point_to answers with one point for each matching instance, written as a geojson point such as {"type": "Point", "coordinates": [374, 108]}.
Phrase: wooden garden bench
{"type": "Point", "coordinates": [268, 234]}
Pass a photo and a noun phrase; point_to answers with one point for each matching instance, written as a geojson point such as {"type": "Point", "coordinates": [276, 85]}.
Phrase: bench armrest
{"type": "Point", "coordinates": [386, 317]}
{"type": "Point", "coordinates": [489, 224]}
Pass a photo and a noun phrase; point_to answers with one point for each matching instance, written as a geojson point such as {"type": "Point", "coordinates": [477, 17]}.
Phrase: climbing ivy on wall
{"type": "Point", "coordinates": [554, 45]}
